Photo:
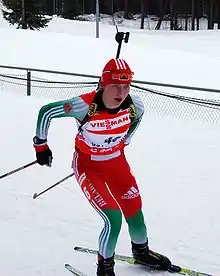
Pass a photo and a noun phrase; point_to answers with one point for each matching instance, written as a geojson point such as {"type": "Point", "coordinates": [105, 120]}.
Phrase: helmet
{"type": "Point", "coordinates": [116, 71]}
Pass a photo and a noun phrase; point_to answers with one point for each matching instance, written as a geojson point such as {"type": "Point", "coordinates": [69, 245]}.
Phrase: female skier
{"type": "Point", "coordinates": [107, 119]}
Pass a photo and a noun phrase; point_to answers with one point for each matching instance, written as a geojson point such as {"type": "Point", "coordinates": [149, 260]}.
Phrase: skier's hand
{"type": "Point", "coordinates": [43, 152]}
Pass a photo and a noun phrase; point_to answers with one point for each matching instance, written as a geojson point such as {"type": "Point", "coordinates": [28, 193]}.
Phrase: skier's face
{"type": "Point", "coordinates": [114, 95]}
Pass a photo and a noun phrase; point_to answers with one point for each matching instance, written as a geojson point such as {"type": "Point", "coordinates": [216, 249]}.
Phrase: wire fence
{"type": "Point", "coordinates": [55, 90]}
{"type": "Point", "coordinates": [156, 101]}
{"type": "Point", "coordinates": [182, 107]}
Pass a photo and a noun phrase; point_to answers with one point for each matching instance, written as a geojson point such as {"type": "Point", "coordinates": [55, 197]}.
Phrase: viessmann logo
{"type": "Point", "coordinates": [108, 124]}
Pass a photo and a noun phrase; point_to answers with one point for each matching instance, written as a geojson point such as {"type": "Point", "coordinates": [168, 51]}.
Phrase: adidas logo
{"type": "Point", "coordinates": [131, 193]}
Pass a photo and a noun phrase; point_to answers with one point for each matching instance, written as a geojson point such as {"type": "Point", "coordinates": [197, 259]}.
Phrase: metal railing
{"type": "Point", "coordinates": [29, 70]}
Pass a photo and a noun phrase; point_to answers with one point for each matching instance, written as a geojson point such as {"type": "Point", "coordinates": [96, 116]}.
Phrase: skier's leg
{"type": "Point", "coordinates": [125, 190]}
{"type": "Point", "coordinates": [97, 193]}
{"type": "Point", "coordinates": [123, 186]}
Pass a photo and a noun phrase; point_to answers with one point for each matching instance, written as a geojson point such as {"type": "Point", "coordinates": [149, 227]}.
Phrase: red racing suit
{"type": "Point", "coordinates": [100, 165]}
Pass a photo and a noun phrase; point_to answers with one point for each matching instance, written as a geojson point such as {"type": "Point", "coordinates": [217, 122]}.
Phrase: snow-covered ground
{"type": "Point", "coordinates": [177, 166]}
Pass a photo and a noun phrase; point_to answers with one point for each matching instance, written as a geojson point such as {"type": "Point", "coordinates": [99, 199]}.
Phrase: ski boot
{"type": "Point", "coordinates": [144, 256]}
{"type": "Point", "coordinates": [105, 266]}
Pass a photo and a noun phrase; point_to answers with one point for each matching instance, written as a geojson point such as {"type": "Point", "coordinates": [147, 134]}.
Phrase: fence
{"type": "Point", "coordinates": [156, 101]}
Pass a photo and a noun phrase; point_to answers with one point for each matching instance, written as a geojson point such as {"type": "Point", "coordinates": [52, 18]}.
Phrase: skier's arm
{"type": "Point", "coordinates": [74, 107]}
{"type": "Point", "coordinates": [139, 106]}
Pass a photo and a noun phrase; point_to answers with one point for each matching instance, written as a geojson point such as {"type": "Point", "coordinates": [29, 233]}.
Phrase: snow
{"type": "Point", "coordinates": [168, 57]}
{"type": "Point", "coordinates": [176, 162]}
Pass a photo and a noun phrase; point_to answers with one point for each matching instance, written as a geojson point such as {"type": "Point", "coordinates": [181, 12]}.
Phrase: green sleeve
{"type": "Point", "coordinates": [74, 107]}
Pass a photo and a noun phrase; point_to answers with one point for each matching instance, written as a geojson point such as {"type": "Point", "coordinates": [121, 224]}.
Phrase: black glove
{"type": "Point", "coordinates": [43, 152]}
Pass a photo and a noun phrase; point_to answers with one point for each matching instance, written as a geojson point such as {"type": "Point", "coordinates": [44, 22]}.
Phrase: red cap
{"type": "Point", "coordinates": [116, 71]}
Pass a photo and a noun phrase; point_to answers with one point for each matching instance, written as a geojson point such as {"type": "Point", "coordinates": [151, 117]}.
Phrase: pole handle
{"type": "Point", "coordinates": [120, 37]}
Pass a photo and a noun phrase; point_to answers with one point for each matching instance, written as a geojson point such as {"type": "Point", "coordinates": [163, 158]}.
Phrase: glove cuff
{"type": "Point", "coordinates": [40, 144]}
{"type": "Point", "coordinates": [40, 148]}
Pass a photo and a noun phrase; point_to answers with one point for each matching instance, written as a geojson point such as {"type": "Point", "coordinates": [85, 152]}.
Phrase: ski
{"type": "Point", "coordinates": [131, 260]}
{"type": "Point", "coordinates": [74, 271]}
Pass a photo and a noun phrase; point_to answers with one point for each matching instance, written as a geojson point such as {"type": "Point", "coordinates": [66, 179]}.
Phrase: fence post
{"type": "Point", "coordinates": [28, 83]}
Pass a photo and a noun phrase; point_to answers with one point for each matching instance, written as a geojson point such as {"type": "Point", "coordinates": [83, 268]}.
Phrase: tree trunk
{"type": "Point", "coordinates": [193, 16]}
{"type": "Point", "coordinates": [160, 7]}
{"type": "Point", "coordinates": [126, 9]}
{"type": "Point", "coordinates": [199, 13]}
{"type": "Point", "coordinates": [24, 23]}
{"type": "Point", "coordinates": [171, 16]}
{"type": "Point", "coordinates": [90, 6]}
{"type": "Point", "coordinates": [218, 15]}
{"type": "Point", "coordinates": [186, 21]}
{"type": "Point", "coordinates": [163, 12]}
{"type": "Point", "coordinates": [210, 15]}
{"type": "Point", "coordinates": [176, 27]}
{"type": "Point", "coordinates": [142, 13]}
{"type": "Point", "coordinates": [197, 23]}
{"type": "Point", "coordinates": [54, 7]}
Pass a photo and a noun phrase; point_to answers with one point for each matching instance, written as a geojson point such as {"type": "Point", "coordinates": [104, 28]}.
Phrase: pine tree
{"type": "Point", "coordinates": [26, 14]}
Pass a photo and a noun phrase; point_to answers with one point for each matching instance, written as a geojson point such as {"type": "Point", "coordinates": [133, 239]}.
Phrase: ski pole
{"type": "Point", "coordinates": [119, 37]}
{"type": "Point", "coordinates": [18, 169]}
{"type": "Point", "coordinates": [54, 185]}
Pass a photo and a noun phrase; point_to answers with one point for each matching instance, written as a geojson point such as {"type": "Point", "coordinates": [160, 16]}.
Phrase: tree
{"type": "Point", "coordinates": [106, 7]}
{"type": "Point", "coordinates": [90, 6]}
{"type": "Point", "coordinates": [49, 7]}
{"type": "Point", "coordinates": [26, 14]}
{"type": "Point", "coordinates": [72, 8]}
